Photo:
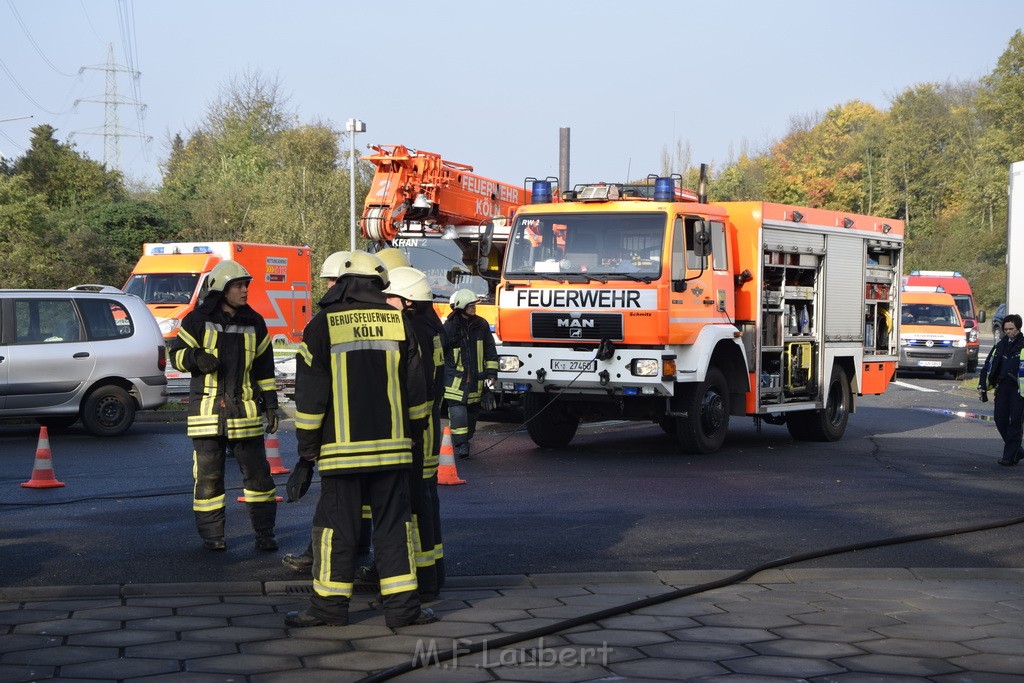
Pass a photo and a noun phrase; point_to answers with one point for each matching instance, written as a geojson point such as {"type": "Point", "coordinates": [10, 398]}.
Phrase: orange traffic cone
{"type": "Point", "coordinates": [446, 472]}
{"type": "Point", "coordinates": [42, 470]}
{"type": "Point", "coordinates": [274, 456]}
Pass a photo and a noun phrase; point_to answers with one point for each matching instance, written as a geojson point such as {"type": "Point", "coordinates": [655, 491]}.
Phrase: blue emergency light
{"type": "Point", "coordinates": [540, 193]}
{"type": "Point", "coordinates": [664, 189]}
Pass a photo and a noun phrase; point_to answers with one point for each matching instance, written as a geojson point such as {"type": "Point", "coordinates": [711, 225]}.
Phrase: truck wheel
{"type": "Point", "coordinates": [707, 408]}
{"type": "Point", "coordinates": [550, 426]}
{"type": "Point", "coordinates": [109, 411]}
{"type": "Point", "coordinates": [828, 424]}
{"type": "Point", "coordinates": [972, 366]}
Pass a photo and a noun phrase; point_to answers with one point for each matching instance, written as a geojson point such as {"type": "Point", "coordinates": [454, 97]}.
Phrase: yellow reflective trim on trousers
{"type": "Point", "coordinates": [259, 496]}
{"type": "Point", "coordinates": [208, 504]}
{"type": "Point", "coordinates": [414, 531]}
{"type": "Point", "coordinates": [398, 584]}
{"type": "Point", "coordinates": [438, 552]}
{"type": "Point", "coordinates": [460, 430]}
{"type": "Point", "coordinates": [308, 420]}
{"type": "Point", "coordinates": [366, 512]}
{"type": "Point", "coordinates": [322, 583]}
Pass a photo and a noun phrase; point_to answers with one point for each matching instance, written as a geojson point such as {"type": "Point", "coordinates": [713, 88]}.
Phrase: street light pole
{"type": "Point", "coordinates": [353, 126]}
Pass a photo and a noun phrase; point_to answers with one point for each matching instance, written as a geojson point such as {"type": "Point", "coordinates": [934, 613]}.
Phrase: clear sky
{"type": "Point", "coordinates": [489, 83]}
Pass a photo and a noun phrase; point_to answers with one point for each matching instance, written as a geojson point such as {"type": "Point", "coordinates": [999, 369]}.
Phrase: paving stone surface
{"type": "Point", "coordinates": [849, 626]}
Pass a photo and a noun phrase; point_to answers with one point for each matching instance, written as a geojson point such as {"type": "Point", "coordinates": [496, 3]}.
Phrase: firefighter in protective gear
{"type": "Point", "coordinates": [410, 292]}
{"type": "Point", "coordinates": [1003, 372]}
{"type": "Point", "coordinates": [357, 376]}
{"type": "Point", "coordinates": [225, 345]}
{"type": "Point", "coordinates": [470, 363]}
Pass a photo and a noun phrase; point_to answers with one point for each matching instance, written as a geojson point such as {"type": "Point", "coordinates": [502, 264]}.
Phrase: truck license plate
{"type": "Point", "coordinates": [574, 365]}
{"type": "Point", "coordinates": [930, 363]}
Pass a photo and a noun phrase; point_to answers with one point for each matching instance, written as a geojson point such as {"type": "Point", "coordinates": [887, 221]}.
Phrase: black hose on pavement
{"type": "Point", "coordinates": [504, 641]}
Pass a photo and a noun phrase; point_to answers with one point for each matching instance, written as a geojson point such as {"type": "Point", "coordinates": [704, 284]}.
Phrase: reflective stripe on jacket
{"type": "Point", "coordinates": [470, 357]}
{"type": "Point", "coordinates": [357, 375]}
{"type": "Point", "coordinates": [224, 403]}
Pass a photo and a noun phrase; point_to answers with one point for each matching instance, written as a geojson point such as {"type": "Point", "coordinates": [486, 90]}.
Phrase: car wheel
{"type": "Point", "coordinates": [108, 411]}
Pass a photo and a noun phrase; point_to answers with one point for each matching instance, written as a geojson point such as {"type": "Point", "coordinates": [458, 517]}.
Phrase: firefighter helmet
{"type": "Point", "coordinates": [393, 258]}
{"type": "Point", "coordinates": [226, 272]}
{"type": "Point", "coordinates": [365, 264]}
{"type": "Point", "coordinates": [333, 263]}
{"type": "Point", "coordinates": [462, 298]}
{"type": "Point", "coordinates": [409, 283]}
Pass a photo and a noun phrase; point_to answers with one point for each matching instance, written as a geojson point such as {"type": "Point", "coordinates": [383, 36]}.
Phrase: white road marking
{"type": "Point", "coordinates": [907, 385]}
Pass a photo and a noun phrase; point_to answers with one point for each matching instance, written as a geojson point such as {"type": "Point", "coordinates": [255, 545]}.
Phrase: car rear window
{"type": "Point", "coordinates": [106, 319]}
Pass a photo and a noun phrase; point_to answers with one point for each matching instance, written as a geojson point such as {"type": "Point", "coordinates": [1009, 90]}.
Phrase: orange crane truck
{"type": "Point", "coordinates": [662, 306]}
{"type": "Point", "coordinates": [451, 223]}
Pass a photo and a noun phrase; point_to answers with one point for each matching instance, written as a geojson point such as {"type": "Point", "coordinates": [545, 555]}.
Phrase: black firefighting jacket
{"type": "Point", "coordinates": [470, 357]}
{"type": "Point", "coordinates": [357, 376]}
{"type": "Point", "coordinates": [229, 402]}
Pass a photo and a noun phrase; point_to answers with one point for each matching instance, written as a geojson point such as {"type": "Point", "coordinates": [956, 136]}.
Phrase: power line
{"type": "Point", "coordinates": [39, 50]}
{"type": "Point", "coordinates": [24, 92]}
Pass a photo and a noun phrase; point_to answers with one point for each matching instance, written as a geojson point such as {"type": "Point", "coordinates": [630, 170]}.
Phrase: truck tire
{"type": "Point", "coordinates": [707, 407]}
{"type": "Point", "coordinates": [108, 411]}
{"type": "Point", "coordinates": [828, 424]}
{"type": "Point", "coordinates": [550, 426]}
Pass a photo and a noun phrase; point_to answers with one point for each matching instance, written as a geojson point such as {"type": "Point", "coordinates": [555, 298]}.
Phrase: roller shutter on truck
{"type": "Point", "coordinates": [844, 282]}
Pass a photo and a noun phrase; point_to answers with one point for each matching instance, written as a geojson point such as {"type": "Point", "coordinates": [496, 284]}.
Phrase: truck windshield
{"type": "Point", "coordinates": [438, 257]}
{"type": "Point", "coordinates": [617, 246]}
{"type": "Point", "coordinates": [929, 314]}
{"type": "Point", "coordinates": [163, 288]}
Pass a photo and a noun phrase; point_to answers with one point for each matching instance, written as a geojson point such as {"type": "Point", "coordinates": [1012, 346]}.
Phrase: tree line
{"type": "Point", "coordinates": [249, 170]}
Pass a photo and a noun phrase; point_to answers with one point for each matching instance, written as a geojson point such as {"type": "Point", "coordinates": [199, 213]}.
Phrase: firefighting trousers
{"type": "Point", "coordinates": [435, 503]}
{"type": "Point", "coordinates": [423, 533]}
{"type": "Point", "coordinates": [336, 524]}
{"type": "Point", "coordinates": [1008, 412]}
{"type": "Point", "coordinates": [462, 419]}
{"type": "Point", "coordinates": [208, 498]}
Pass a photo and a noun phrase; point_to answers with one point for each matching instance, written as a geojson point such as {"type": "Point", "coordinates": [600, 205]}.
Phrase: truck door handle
{"type": "Point", "coordinates": [81, 354]}
{"type": "Point", "coordinates": [708, 302]}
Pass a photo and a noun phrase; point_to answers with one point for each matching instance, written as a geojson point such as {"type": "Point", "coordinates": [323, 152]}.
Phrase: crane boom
{"type": "Point", "coordinates": [413, 186]}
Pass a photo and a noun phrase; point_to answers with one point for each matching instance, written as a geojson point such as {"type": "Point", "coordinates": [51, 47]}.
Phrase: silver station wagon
{"type": "Point", "coordinates": [92, 353]}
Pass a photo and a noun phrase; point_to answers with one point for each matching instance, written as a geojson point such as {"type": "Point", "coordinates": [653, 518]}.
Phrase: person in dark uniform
{"type": "Point", "coordinates": [357, 376]}
{"type": "Point", "coordinates": [1002, 373]}
{"type": "Point", "coordinates": [224, 343]}
{"type": "Point", "coordinates": [410, 292]}
{"type": "Point", "coordinates": [470, 361]}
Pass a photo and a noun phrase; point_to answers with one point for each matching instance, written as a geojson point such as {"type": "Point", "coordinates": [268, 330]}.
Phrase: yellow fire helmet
{"type": "Point", "coordinates": [333, 263]}
{"type": "Point", "coordinates": [409, 283]}
{"type": "Point", "coordinates": [365, 264]}
{"type": "Point", "coordinates": [226, 272]}
{"type": "Point", "coordinates": [393, 258]}
{"type": "Point", "coordinates": [462, 298]}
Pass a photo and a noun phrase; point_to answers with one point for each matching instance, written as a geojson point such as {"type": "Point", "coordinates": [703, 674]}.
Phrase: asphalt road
{"type": "Point", "coordinates": [620, 497]}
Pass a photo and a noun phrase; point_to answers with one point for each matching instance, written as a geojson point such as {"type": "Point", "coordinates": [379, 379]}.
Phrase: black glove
{"type": "Point", "coordinates": [300, 479]}
{"type": "Point", "coordinates": [983, 395]}
{"type": "Point", "coordinates": [271, 415]}
{"type": "Point", "coordinates": [206, 362]}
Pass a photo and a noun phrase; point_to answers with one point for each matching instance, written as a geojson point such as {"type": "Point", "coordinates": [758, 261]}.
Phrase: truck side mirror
{"type": "Point", "coordinates": [484, 251]}
{"type": "Point", "coordinates": [981, 316]}
{"type": "Point", "coordinates": [701, 239]}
